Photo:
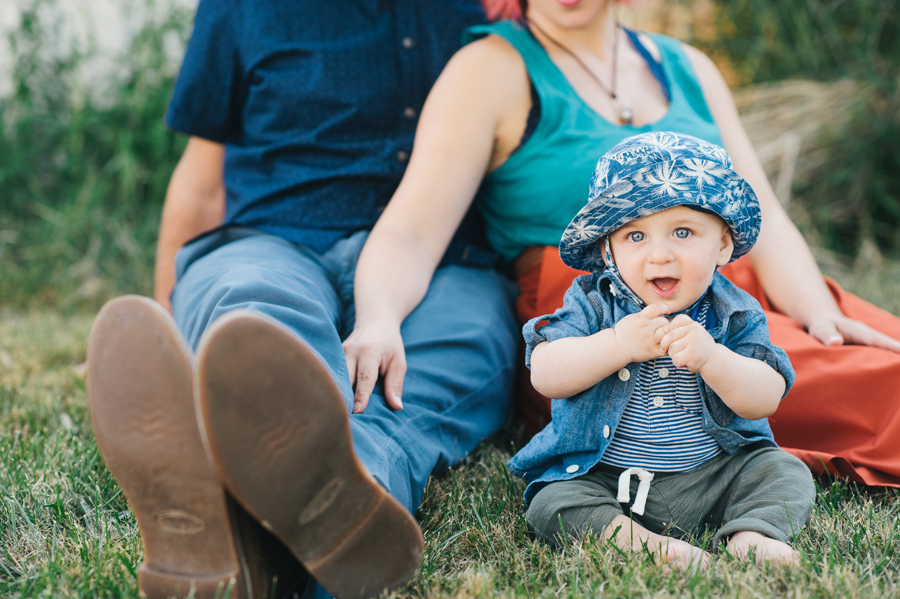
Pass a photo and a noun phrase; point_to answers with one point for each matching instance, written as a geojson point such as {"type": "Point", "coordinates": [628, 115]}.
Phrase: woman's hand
{"type": "Point", "coordinates": [839, 329]}
{"type": "Point", "coordinates": [456, 143]}
{"type": "Point", "coordinates": [374, 351]}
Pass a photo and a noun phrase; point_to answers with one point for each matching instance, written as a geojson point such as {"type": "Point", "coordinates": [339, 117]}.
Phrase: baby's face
{"type": "Point", "coordinates": [671, 256]}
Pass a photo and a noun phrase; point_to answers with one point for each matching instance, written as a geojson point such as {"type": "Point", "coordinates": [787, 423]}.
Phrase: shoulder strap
{"type": "Point", "coordinates": [652, 63]}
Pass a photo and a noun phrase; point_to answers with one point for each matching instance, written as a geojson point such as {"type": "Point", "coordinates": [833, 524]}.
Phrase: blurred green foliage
{"type": "Point", "coordinates": [855, 196]}
{"type": "Point", "coordinates": [82, 181]}
{"type": "Point", "coordinates": [83, 177]}
{"type": "Point", "coordinates": [770, 40]}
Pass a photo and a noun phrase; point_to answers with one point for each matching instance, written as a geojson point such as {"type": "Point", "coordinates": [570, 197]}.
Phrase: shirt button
{"type": "Point", "coordinates": [624, 375]}
{"type": "Point", "coordinates": [658, 401]}
{"type": "Point", "coordinates": [663, 373]}
{"type": "Point", "coordinates": [606, 431]}
{"type": "Point", "coordinates": [402, 156]}
{"type": "Point", "coordinates": [409, 112]}
{"type": "Point", "coordinates": [408, 43]}
{"type": "Point", "coordinates": [573, 468]}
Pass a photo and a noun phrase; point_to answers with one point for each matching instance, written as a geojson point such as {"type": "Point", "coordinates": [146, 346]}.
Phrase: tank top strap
{"type": "Point", "coordinates": [553, 89]}
{"type": "Point", "coordinates": [517, 34]}
{"type": "Point", "coordinates": [652, 63]}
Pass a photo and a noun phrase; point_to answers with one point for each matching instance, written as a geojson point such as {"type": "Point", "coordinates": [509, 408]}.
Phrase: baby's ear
{"type": "Point", "coordinates": [727, 248]}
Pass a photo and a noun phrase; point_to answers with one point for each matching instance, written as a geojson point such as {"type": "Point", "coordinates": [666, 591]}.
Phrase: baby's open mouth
{"type": "Point", "coordinates": [665, 286]}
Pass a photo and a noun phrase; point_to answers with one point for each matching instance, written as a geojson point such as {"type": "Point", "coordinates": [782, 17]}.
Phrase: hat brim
{"type": "Point", "coordinates": [726, 195]}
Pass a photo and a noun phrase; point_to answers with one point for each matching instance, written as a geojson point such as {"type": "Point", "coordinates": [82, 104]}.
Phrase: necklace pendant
{"type": "Point", "coordinates": [626, 117]}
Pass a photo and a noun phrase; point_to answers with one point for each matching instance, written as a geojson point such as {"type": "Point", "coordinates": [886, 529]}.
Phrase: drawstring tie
{"type": "Point", "coordinates": [640, 500]}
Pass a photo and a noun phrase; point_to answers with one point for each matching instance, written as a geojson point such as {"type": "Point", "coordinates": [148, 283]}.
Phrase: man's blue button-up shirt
{"type": "Point", "coordinates": [316, 103]}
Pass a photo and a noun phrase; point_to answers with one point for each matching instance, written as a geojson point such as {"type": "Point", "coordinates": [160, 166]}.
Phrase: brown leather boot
{"type": "Point", "coordinates": [140, 394]}
{"type": "Point", "coordinates": [278, 433]}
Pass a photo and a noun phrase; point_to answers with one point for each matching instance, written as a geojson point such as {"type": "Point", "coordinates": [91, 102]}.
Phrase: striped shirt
{"type": "Point", "coordinates": [661, 429]}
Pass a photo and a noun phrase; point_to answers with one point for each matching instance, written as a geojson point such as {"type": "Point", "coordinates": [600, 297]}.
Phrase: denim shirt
{"type": "Point", "coordinates": [583, 425]}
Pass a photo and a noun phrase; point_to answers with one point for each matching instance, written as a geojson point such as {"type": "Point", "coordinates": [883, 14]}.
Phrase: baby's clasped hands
{"type": "Point", "coordinates": [687, 342]}
{"type": "Point", "coordinates": [639, 335]}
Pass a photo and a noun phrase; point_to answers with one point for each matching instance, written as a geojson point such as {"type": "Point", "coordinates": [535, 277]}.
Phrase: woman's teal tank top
{"type": "Point", "coordinates": [530, 199]}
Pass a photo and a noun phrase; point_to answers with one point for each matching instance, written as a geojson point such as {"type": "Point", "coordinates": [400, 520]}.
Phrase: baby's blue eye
{"type": "Point", "coordinates": [636, 236]}
{"type": "Point", "coordinates": [682, 233]}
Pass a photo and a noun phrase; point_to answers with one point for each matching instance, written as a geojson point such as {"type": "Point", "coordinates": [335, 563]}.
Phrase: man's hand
{"type": "Point", "coordinates": [372, 351]}
{"type": "Point", "coordinates": [640, 334]}
{"type": "Point", "coordinates": [688, 343]}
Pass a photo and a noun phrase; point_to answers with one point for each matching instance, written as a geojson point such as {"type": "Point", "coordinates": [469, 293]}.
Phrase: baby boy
{"type": "Point", "coordinates": [664, 370]}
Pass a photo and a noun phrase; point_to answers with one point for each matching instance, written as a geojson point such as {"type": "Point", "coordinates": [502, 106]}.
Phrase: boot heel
{"type": "Point", "coordinates": [163, 585]}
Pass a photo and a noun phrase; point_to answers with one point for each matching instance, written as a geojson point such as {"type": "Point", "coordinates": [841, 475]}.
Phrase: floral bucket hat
{"type": "Point", "coordinates": [649, 173]}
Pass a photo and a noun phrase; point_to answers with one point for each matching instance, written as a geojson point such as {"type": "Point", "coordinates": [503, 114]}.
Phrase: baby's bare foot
{"type": "Point", "coordinates": [628, 534]}
{"type": "Point", "coordinates": [678, 553]}
{"type": "Point", "coordinates": [767, 549]}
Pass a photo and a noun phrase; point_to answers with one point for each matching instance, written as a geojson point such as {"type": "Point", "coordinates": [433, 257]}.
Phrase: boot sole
{"type": "Point", "coordinates": [140, 396]}
{"type": "Point", "coordinates": [277, 430]}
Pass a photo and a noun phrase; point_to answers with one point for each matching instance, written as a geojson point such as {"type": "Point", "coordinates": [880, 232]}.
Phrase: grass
{"type": "Point", "coordinates": [66, 530]}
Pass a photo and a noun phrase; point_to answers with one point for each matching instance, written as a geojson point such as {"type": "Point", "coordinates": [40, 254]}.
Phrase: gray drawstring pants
{"type": "Point", "coordinates": [765, 490]}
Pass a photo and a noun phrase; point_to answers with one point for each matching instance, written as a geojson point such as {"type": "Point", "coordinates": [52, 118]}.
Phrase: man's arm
{"type": "Point", "coordinates": [195, 202]}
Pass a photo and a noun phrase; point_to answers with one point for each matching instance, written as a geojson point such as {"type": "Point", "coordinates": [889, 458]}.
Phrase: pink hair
{"type": "Point", "coordinates": [514, 9]}
{"type": "Point", "coordinates": [503, 9]}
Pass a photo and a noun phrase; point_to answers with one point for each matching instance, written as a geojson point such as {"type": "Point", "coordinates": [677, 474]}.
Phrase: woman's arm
{"type": "Point", "coordinates": [781, 258]}
{"type": "Point", "coordinates": [195, 202]}
{"type": "Point", "coordinates": [465, 125]}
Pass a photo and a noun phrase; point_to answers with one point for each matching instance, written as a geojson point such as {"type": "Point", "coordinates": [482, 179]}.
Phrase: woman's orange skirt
{"type": "Point", "coordinates": [842, 414]}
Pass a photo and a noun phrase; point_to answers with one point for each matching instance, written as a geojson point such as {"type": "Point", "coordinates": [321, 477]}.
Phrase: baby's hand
{"type": "Point", "coordinates": [639, 335]}
{"type": "Point", "coordinates": [687, 343]}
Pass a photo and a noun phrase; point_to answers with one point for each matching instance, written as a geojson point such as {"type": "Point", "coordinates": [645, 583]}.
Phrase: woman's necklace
{"type": "Point", "coordinates": [626, 117]}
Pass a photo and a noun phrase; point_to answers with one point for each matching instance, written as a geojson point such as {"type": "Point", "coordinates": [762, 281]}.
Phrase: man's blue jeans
{"type": "Point", "coordinates": [460, 343]}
